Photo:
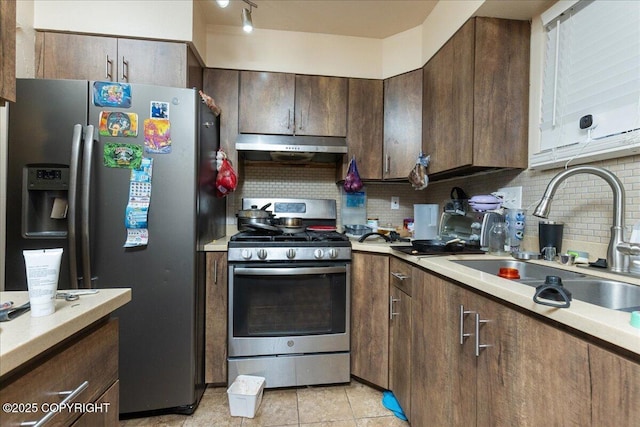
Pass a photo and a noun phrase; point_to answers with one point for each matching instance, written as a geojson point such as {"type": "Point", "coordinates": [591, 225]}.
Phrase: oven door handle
{"type": "Point", "coordinates": [277, 271]}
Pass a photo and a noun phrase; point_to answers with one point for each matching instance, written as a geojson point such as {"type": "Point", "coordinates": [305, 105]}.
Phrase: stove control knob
{"type": "Point", "coordinates": [246, 254]}
{"type": "Point", "coordinates": [318, 253]}
{"type": "Point", "coordinates": [291, 253]}
{"type": "Point", "coordinates": [333, 253]}
{"type": "Point", "coordinates": [262, 253]}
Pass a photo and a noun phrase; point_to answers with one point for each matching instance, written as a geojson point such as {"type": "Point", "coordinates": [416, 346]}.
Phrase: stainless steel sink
{"type": "Point", "coordinates": [527, 270]}
{"type": "Point", "coordinates": [594, 290]}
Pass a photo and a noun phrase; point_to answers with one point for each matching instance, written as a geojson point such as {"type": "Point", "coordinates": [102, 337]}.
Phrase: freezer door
{"type": "Point", "coordinates": [41, 126]}
{"type": "Point", "coordinates": [161, 329]}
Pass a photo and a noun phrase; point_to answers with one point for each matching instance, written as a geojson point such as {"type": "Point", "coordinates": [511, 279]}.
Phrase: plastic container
{"type": "Point", "coordinates": [498, 238]}
{"type": "Point", "coordinates": [425, 221]}
{"type": "Point", "coordinates": [509, 273]}
{"type": "Point", "coordinates": [245, 395]}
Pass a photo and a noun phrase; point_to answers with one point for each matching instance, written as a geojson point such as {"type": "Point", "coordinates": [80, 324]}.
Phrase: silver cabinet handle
{"type": "Point", "coordinates": [387, 161]}
{"type": "Point", "coordinates": [70, 396]}
{"type": "Point", "coordinates": [125, 69]}
{"type": "Point", "coordinates": [108, 68]}
{"type": "Point", "coordinates": [391, 312]}
{"type": "Point", "coordinates": [289, 118]}
{"type": "Point", "coordinates": [478, 345]}
{"type": "Point", "coordinates": [400, 276]}
{"type": "Point", "coordinates": [215, 272]}
{"type": "Point", "coordinates": [463, 313]}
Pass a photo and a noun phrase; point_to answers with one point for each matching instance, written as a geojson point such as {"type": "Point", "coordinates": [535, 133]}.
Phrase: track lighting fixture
{"type": "Point", "coordinates": [247, 23]}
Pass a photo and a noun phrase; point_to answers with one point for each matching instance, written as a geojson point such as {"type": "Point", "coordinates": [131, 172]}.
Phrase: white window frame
{"type": "Point", "coordinates": [586, 149]}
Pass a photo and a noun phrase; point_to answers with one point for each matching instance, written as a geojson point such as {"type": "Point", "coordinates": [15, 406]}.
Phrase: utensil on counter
{"type": "Point", "coordinates": [454, 245]}
{"type": "Point", "coordinates": [13, 312]}
{"type": "Point", "coordinates": [525, 255]}
{"type": "Point", "coordinates": [253, 216]}
{"type": "Point", "coordinates": [264, 227]}
{"type": "Point", "coordinates": [356, 230]}
{"type": "Point", "coordinates": [321, 228]}
{"type": "Point", "coordinates": [566, 259]}
{"type": "Point", "coordinates": [74, 294]}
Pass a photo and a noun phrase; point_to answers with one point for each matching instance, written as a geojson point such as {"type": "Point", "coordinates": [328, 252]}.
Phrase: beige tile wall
{"type": "Point", "coordinates": [583, 203]}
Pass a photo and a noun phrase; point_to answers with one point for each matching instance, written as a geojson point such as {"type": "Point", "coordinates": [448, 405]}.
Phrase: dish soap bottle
{"type": "Point", "coordinates": [498, 238]}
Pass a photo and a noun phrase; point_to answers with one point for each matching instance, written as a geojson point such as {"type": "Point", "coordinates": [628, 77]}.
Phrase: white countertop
{"type": "Point", "coordinates": [609, 325]}
{"type": "Point", "coordinates": [25, 337]}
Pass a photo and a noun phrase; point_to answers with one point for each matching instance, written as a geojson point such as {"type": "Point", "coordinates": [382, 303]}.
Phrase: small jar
{"type": "Point", "coordinates": [373, 224]}
{"type": "Point", "coordinates": [498, 238]}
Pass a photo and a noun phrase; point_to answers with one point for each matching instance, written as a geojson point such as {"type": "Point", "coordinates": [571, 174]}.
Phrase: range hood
{"type": "Point", "coordinates": [294, 149]}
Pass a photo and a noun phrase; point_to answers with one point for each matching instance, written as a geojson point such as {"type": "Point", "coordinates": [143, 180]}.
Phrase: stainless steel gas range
{"type": "Point", "coordinates": [289, 298]}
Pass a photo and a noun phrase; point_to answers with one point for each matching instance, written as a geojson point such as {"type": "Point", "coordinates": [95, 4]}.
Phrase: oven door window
{"type": "Point", "coordinates": [285, 304]}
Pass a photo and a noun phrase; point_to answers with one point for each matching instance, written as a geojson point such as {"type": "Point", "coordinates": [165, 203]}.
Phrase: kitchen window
{"type": "Point", "coordinates": [591, 84]}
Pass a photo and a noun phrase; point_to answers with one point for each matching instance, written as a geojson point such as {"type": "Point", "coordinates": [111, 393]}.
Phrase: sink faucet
{"type": "Point", "coordinates": [618, 251]}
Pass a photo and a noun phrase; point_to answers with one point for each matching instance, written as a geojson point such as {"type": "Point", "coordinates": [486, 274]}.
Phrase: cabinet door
{"type": "Point", "coordinates": [370, 318]}
{"type": "Point", "coordinates": [216, 319]}
{"type": "Point", "coordinates": [447, 130]}
{"type": "Point", "coordinates": [501, 93]}
{"type": "Point", "coordinates": [7, 51]}
{"type": "Point", "coordinates": [552, 377]}
{"type": "Point", "coordinates": [400, 348]}
{"type": "Point", "coordinates": [443, 370]}
{"type": "Point", "coordinates": [75, 56]}
{"type": "Point", "coordinates": [615, 385]}
{"type": "Point", "coordinates": [321, 106]}
{"type": "Point", "coordinates": [222, 86]}
{"type": "Point", "coordinates": [402, 123]}
{"type": "Point", "coordinates": [364, 128]}
{"type": "Point", "coordinates": [267, 103]}
{"type": "Point", "coordinates": [107, 410]}
{"type": "Point", "coordinates": [152, 62]}
{"type": "Point", "coordinates": [498, 389]}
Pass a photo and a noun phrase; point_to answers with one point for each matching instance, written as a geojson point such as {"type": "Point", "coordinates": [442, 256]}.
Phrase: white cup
{"type": "Point", "coordinates": [43, 269]}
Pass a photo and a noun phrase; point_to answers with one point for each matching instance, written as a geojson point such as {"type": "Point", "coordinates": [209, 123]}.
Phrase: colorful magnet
{"type": "Point", "coordinates": [157, 136]}
{"type": "Point", "coordinates": [110, 94]}
{"type": "Point", "coordinates": [118, 124]}
{"type": "Point", "coordinates": [159, 110]}
{"type": "Point", "coordinates": [122, 155]}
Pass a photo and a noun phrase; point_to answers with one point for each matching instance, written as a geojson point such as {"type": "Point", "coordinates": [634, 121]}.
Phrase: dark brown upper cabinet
{"type": "Point", "coordinates": [402, 124]}
{"type": "Point", "coordinates": [289, 104]}
{"type": "Point", "coordinates": [476, 95]}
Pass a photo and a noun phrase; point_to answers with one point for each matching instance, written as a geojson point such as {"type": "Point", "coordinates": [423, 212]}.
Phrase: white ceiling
{"type": "Point", "coordinates": [359, 18]}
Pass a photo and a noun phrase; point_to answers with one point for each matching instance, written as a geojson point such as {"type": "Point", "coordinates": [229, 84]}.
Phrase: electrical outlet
{"type": "Point", "coordinates": [511, 196]}
{"type": "Point", "coordinates": [395, 202]}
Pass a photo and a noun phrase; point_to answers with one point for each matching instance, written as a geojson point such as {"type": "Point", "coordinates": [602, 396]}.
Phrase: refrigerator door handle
{"type": "Point", "coordinates": [87, 165]}
{"type": "Point", "coordinates": [74, 167]}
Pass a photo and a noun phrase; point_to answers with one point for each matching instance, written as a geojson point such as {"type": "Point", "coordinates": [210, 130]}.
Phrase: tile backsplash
{"type": "Point", "coordinates": [583, 202]}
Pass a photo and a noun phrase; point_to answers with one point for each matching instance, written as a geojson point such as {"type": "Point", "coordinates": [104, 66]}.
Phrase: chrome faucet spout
{"type": "Point", "coordinates": [616, 260]}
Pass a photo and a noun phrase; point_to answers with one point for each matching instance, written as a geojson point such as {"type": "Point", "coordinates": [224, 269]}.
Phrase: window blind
{"type": "Point", "coordinates": [592, 66]}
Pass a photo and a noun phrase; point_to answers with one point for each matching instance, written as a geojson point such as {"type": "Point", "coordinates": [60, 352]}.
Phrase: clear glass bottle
{"type": "Point", "coordinates": [498, 238]}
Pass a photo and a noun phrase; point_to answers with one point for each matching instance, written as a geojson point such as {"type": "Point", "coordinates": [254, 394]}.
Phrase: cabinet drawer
{"type": "Point", "coordinates": [92, 357]}
{"type": "Point", "coordinates": [400, 276]}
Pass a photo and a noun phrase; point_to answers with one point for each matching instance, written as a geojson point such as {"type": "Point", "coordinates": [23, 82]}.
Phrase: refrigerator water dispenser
{"type": "Point", "coordinates": [44, 201]}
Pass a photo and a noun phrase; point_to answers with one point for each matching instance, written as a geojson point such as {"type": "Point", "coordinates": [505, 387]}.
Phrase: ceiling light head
{"type": "Point", "coordinates": [247, 23]}
{"type": "Point", "coordinates": [223, 3]}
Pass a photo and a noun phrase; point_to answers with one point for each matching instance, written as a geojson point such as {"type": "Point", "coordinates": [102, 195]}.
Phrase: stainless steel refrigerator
{"type": "Point", "coordinates": [60, 193]}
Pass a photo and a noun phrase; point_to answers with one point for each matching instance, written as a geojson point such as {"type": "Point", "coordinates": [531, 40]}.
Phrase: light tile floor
{"type": "Point", "coordinates": [350, 405]}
